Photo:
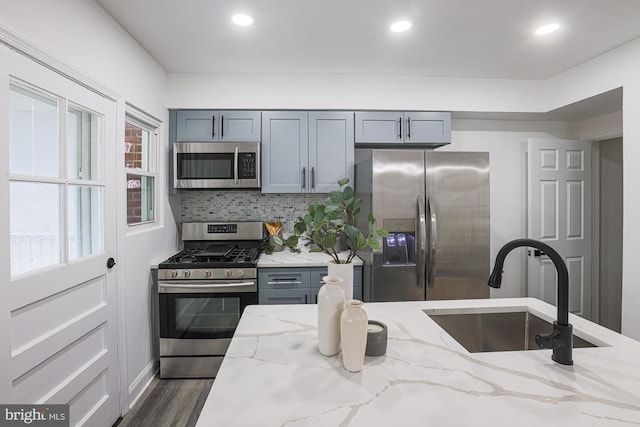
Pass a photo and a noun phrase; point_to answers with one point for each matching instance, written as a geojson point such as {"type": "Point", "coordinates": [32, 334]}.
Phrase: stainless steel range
{"type": "Point", "coordinates": [203, 291]}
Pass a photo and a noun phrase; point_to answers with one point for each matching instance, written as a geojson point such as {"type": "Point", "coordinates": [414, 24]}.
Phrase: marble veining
{"type": "Point", "coordinates": [273, 375]}
{"type": "Point", "coordinates": [304, 258]}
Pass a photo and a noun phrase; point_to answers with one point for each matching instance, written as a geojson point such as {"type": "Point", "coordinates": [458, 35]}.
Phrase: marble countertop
{"type": "Point", "coordinates": [273, 375]}
{"type": "Point", "coordinates": [286, 258]}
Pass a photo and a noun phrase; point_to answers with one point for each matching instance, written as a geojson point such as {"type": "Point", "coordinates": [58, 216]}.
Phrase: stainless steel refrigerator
{"type": "Point", "coordinates": [435, 206]}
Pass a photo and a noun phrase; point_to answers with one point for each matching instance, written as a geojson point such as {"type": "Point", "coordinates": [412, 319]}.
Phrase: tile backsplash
{"type": "Point", "coordinates": [207, 205]}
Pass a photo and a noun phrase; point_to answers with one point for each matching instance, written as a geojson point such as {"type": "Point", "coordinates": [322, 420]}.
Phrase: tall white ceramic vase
{"type": "Point", "coordinates": [353, 335]}
{"type": "Point", "coordinates": [330, 306]}
{"type": "Point", "coordinates": [345, 271]}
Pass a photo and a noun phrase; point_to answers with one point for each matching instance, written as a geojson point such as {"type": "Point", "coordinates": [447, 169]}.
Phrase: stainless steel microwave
{"type": "Point", "coordinates": [224, 165]}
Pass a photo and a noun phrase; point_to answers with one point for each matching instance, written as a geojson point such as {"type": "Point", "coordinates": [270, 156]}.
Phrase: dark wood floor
{"type": "Point", "coordinates": [170, 403]}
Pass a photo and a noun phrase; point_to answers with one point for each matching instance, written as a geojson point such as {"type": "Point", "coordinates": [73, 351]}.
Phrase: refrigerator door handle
{"type": "Point", "coordinates": [433, 241]}
{"type": "Point", "coordinates": [421, 231]}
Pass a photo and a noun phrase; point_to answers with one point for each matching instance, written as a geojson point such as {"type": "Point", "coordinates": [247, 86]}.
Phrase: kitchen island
{"type": "Point", "coordinates": [273, 375]}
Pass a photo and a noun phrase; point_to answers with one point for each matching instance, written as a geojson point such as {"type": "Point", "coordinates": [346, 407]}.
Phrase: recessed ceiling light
{"type": "Point", "coordinates": [242, 19]}
{"type": "Point", "coordinates": [546, 29]}
{"type": "Point", "coordinates": [400, 26]}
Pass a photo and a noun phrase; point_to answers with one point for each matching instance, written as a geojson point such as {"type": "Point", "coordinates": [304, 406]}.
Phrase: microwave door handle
{"type": "Point", "coordinates": [235, 166]}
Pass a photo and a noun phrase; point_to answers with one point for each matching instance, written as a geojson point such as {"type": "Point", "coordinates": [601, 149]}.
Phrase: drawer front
{"type": "Point", "coordinates": [283, 278]}
{"type": "Point", "coordinates": [283, 296]}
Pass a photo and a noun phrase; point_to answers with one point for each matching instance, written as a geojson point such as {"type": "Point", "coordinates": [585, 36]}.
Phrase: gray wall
{"type": "Point", "coordinates": [611, 233]}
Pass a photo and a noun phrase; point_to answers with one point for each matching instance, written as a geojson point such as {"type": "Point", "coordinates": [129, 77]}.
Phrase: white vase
{"type": "Point", "coordinates": [346, 272]}
{"type": "Point", "coordinates": [330, 306]}
{"type": "Point", "coordinates": [353, 335]}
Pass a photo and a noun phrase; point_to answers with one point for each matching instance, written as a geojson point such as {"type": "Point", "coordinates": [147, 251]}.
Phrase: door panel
{"type": "Point", "coordinates": [559, 182]}
{"type": "Point", "coordinates": [331, 149]}
{"type": "Point", "coordinates": [457, 186]}
{"type": "Point", "coordinates": [378, 127]}
{"type": "Point", "coordinates": [240, 126]}
{"type": "Point", "coordinates": [60, 346]}
{"type": "Point", "coordinates": [197, 126]}
{"type": "Point", "coordinates": [285, 137]}
{"type": "Point", "coordinates": [427, 127]}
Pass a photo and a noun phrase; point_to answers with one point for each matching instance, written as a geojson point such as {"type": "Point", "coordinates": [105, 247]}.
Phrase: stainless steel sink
{"type": "Point", "coordinates": [504, 331]}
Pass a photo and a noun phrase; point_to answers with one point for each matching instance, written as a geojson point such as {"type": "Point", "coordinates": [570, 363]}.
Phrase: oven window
{"type": "Point", "coordinates": [205, 166]}
{"type": "Point", "coordinates": [202, 316]}
{"type": "Point", "coordinates": [211, 315]}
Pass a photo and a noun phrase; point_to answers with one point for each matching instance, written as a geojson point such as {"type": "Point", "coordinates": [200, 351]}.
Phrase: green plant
{"type": "Point", "coordinates": [325, 223]}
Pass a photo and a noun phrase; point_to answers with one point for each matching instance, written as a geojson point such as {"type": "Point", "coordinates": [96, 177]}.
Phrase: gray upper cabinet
{"type": "Point", "coordinates": [331, 149]}
{"type": "Point", "coordinates": [285, 151]}
{"type": "Point", "coordinates": [378, 128]}
{"type": "Point", "coordinates": [306, 151]}
{"type": "Point", "coordinates": [217, 126]}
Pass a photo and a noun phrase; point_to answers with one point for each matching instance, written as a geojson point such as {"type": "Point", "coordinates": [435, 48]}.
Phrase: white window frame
{"type": "Point", "coordinates": [63, 180]}
{"type": "Point", "coordinates": [143, 120]}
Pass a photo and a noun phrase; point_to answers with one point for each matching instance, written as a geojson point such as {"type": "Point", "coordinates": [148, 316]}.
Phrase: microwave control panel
{"type": "Point", "coordinates": [247, 166]}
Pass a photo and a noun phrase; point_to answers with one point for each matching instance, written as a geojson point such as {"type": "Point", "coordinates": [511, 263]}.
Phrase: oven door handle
{"type": "Point", "coordinates": [218, 287]}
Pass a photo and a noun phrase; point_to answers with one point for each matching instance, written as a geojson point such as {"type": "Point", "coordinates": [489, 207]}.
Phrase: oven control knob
{"type": "Point", "coordinates": [240, 273]}
{"type": "Point", "coordinates": [173, 274]}
{"type": "Point", "coordinates": [228, 273]}
{"type": "Point", "coordinates": [186, 273]}
{"type": "Point", "coordinates": [207, 273]}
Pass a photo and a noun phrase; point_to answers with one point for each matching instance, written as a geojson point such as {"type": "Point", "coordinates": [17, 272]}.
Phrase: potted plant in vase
{"type": "Point", "coordinates": [325, 225]}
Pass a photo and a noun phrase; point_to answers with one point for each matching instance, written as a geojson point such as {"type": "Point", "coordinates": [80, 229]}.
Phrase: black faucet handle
{"type": "Point", "coordinates": [561, 341]}
{"type": "Point", "coordinates": [546, 341]}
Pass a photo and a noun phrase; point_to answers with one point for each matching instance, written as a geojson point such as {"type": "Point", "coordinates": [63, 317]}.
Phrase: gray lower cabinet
{"type": "Point", "coordinates": [218, 126]}
{"type": "Point", "coordinates": [283, 286]}
{"type": "Point", "coordinates": [377, 128]}
{"type": "Point", "coordinates": [306, 152]}
{"type": "Point", "coordinates": [297, 285]}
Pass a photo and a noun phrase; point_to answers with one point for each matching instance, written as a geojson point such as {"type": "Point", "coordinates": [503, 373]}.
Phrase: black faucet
{"type": "Point", "coordinates": [561, 339]}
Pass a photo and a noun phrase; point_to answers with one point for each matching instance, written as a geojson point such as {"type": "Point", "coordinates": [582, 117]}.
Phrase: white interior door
{"type": "Point", "coordinates": [58, 230]}
{"type": "Point", "coordinates": [559, 209]}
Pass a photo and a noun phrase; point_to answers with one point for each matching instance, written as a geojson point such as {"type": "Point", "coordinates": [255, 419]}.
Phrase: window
{"type": "Point", "coordinates": [56, 185]}
{"type": "Point", "coordinates": [141, 168]}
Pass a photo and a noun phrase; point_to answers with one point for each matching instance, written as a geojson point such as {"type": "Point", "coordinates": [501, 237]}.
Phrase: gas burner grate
{"type": "Point", "coordinates": [204, 257]}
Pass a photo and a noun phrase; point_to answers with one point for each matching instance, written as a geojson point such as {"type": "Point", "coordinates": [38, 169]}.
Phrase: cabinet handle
{"type": "Point", "coordinates": [213, 126]}
{"type": "Point", "coordinates": [313, 178]}
{"type": "Point", "coordinates": [304, 177]}
{"type": "Point", "coordinates": [221, 127]}
{"type": "Point", "coordinates": [283, 300]}
{"type": "Point", "coordinates": [408, 128]}
{"type": "Point", "coordinates": [305, 298]}
{"type": "Point", "coordinates": [400, 127]}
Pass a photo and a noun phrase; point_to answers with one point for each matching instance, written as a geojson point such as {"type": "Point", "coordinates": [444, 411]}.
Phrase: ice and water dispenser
{"type": "Point", "coordinates": [399, 248]}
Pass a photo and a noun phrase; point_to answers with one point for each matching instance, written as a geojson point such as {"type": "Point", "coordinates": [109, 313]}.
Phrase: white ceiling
{"type": "Point", "coordinates": [450, 38]}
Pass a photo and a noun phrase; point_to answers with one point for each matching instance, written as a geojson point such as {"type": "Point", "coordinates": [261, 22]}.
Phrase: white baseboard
{"type": "Point", "coordinates": [141, 383]}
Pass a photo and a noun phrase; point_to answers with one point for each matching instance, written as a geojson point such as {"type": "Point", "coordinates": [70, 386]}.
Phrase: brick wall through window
{"type": "Point", "coordinates": [133, 160]}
